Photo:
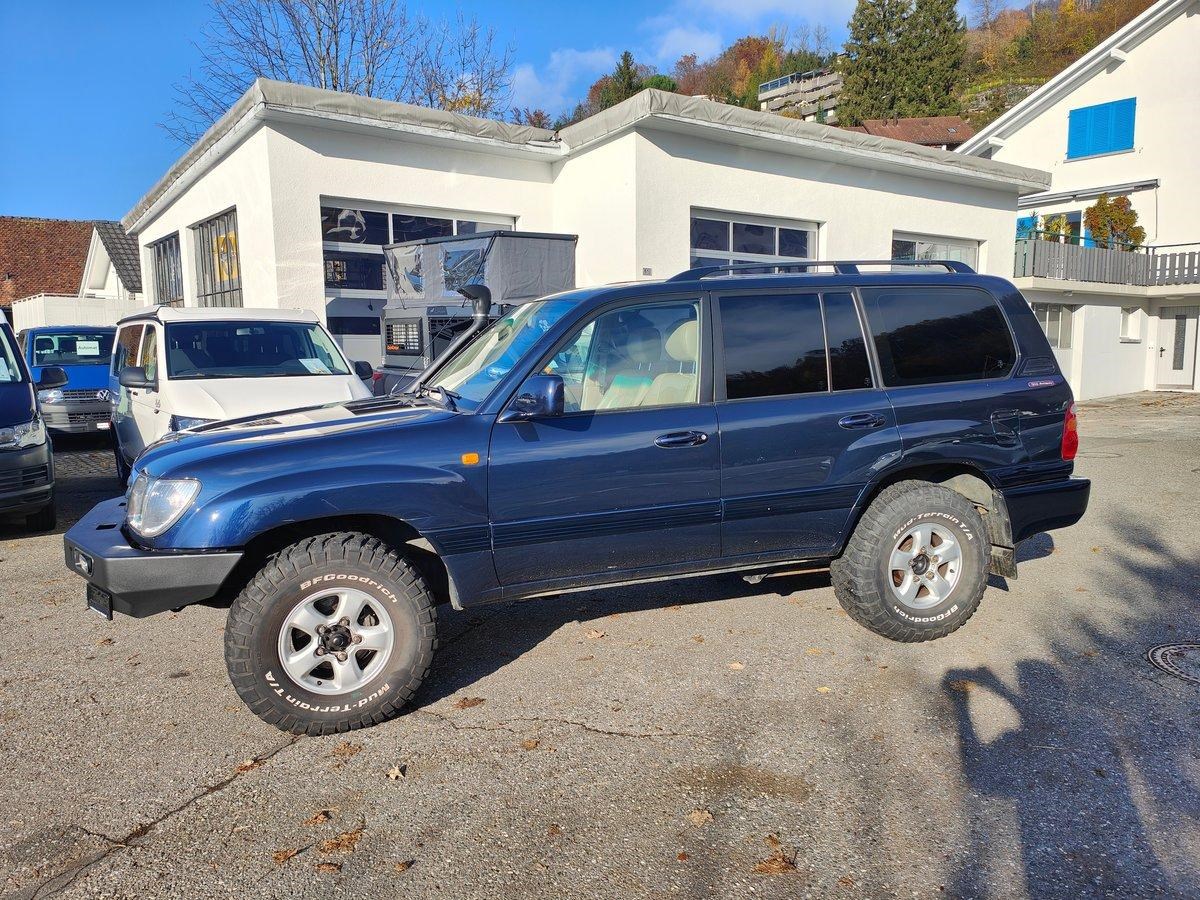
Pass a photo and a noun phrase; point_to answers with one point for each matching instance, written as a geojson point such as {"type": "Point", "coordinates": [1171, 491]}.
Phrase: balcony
{"type": "Point", "coordinates": [1141, 267]}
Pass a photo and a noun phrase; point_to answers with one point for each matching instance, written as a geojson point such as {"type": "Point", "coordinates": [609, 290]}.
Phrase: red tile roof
{"type": "Point", "coordinates": [41, 256]}
{"type": "Point", "coordinates": [928, 130]}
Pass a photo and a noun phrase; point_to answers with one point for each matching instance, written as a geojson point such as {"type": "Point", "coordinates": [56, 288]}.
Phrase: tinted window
{"type": "Point", "coordinates": [125, 352]}
{"type": "Point", "coordinates": [249, 350]}
{"type": "Point", "coordinates": [847, 350]}
{"type": "Point", "coordinates": [353, 226]}
{"type": "Point", "coordinates": [361, 271]}
{"type": "Point", "coordinates": [774, 345]}
{"type": "Point", "coordinates": [415, 228]}
{"type": "Point", "coordinates": [929, 334]}
{"type": "Point", "coordinates": [72, 348]}
{"type": "Point", "coordinates": [354, 325]}
{"type": "Point", "coordinates": [148, 359]}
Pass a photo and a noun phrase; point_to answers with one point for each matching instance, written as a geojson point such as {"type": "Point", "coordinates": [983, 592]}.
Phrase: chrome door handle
{"type": "Point", "coordinates": [861, 420]}
{"type": "Point", "coordinates": [681, 439]}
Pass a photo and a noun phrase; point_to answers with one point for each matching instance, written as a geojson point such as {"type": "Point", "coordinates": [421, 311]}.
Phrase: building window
{"type": "Point", "coordinates": [1103, 128]}
{"type": "Point", "coordinates": [1131, 324]}
{"type": "Point", "coordinates": [1056, 321]}
{"type": "Point", "coordinates": [168, 271]}
{"type": "Point", "coordinates": [719, 240]}
{"type": "Point", "coordinates": [218, 267]}
{"type": "Point", "coordinates": [921, 246]}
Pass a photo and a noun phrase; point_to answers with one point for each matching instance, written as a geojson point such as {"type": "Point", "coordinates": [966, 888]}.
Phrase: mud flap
{"type": "Point", "coordinates": [1003, 558]}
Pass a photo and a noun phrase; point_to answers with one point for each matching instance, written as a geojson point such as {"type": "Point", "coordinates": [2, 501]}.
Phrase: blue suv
{"type": "Point", "coordinates": [904, 428]}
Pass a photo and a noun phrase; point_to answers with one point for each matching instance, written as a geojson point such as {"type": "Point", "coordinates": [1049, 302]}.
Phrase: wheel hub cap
{"type": "Point", "coordinates": [924, 566]}
{"type": "Point", "coordinates": [920, 565]}
{"type": "Point", "coordinates": [336, 641]}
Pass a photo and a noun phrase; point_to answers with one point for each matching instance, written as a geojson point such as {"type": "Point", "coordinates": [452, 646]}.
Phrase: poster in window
{"type": "Point", "coordinates": [353, 226]}
{"type": "Point", "coordinates": [225, 257]}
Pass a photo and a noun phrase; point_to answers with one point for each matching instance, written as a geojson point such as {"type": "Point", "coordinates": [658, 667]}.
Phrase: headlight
{"type": "Point", "coordinates": [54, 395]}
{"type": "Point", "coordinates": [27, 434]}
{"type": "Point", "coordinates": [155, 504]}
{"type": "Point", "coordinates": [178, 423]}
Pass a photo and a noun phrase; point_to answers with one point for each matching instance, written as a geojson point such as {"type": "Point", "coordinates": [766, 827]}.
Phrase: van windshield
{"type": "Point", "coordinates": [251, 350]}
{"type": "Point", "coordinates": [76, 347]}
{"type": "Point", "coordinates": [10, 372]}
{"type": "Point", "coordinates": [475, 370]}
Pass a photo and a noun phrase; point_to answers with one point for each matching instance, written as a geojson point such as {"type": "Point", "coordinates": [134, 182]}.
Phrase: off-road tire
{"type": "Point", "coordinates": [257, 614]}
{"type": "Point", "coordinates": [45, 519]}
{"type": "Point", "coordinates": [861, 576]}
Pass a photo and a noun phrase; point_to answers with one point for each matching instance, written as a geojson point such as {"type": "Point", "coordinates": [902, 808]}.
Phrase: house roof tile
{"type": "Point", "coordinates": [123, 251]}
{"type": "Point", "coordinates": [41, 256]}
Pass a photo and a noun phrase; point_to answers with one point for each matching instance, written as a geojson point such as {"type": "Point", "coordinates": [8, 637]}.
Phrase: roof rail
{"type": "Point", "coordinates": [839, 266]}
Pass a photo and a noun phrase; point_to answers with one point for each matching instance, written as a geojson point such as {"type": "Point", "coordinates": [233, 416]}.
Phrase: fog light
{"type": "Point", "coordinates": [83, 562]}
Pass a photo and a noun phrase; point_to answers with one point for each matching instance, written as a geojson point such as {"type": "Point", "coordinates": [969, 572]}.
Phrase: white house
{"type": "Point", "coordinates": [287, 200]}
{"type": "Point", "coordinates": [1121, 121]}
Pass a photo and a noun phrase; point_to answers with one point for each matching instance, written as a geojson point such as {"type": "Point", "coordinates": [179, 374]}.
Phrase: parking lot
{"type": "Point", "coordinates": [694, 738]}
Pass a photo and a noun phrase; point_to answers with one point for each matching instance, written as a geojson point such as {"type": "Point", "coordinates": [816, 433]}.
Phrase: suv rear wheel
{"type": "Point", "coordinates": [915, 568]}
{"type": "Point", "coordinates": [335, 632]}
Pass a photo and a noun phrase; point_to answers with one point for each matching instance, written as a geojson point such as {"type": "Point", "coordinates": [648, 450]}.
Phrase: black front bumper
{"type": "Point", "coordinates": [138, 582]}
{"type": "Point", "coordinates": [26, 480]}
{"type": "Point", "coordinates": [1034, 508]}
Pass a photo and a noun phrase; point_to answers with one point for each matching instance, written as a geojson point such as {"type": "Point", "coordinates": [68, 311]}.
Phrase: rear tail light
{"type": "Point", "coordinates": [1070, 438]}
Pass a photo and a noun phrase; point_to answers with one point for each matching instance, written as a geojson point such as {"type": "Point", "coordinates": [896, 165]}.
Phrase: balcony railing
{"type": "Point", "coordinates": [1142, 267]}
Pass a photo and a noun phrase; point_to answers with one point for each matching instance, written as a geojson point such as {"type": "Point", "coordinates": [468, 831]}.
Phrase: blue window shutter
{"type": "Point", "coordinates": [1103, 128]}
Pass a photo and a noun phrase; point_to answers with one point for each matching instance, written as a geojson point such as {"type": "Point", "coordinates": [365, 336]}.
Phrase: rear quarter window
{"type": "Point", "coordinates": [929, 335]}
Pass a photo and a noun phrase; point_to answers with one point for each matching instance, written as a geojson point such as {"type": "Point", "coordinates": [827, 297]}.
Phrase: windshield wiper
{"type": "Point", "coordinates": [440, 395]}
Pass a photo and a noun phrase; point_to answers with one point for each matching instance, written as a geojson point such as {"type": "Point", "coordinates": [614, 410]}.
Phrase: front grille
{"type": "Point", "coordinates": [87, 418]}
{"type": "Point", "coordinates": [82, 394]}
{"type": "Point", "coordinates": [24, 478]}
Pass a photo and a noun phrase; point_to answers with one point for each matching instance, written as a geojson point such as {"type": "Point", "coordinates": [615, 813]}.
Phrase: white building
{"type": "Point", "coordinates": [1120, 121]}
{"type": "Point", "coordinates": [287, 200]}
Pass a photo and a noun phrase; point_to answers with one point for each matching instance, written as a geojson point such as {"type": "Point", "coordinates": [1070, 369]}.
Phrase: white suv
{"type": "Point", "coordinates": [178, 368]}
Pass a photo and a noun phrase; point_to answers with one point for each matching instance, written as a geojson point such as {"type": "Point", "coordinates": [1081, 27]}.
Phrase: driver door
{"type": "Point", "coordinates": [149, 420]}
{"type": "Point", "coordinates": [629, 476]}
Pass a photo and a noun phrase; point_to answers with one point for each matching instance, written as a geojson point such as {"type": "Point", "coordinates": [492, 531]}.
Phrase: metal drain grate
{"type": "Point", "coordinates": [1180, 660]}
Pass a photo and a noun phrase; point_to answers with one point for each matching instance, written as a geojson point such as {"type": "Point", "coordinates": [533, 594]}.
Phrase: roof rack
{"type": "Point", "coordinates": [839, 266]}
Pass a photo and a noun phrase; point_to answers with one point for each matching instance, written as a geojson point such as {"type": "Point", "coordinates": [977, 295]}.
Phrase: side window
{"type": "Point", "coordinates": [774, 345]}
{"type": "Point", "coordinates": [633, 358]}
{"type": "Point", "coordinates": [127, 347]}
{"type": "Point", "coordinates": [148, 358]}
{"type": "Point", "coordinates": [848, 364]}
{"type": "Point", "coordinates": [926, 335]}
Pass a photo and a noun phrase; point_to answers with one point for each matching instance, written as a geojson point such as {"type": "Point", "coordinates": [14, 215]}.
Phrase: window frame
{"type": "Point", "coordinates": [916, 238]}
{"type": "Point", "coordinates": [1055, 340]}
{"type": "Point", "coordinates": [733, 257]}
{"type": "Point", "coordinates": [209, 287]}
{"type": "Point", "coordinates": [1130, 331]}
{"type": "Point", "coordinates": [170, 275]}
{"type": "Point", "coordinates": [720, 393]}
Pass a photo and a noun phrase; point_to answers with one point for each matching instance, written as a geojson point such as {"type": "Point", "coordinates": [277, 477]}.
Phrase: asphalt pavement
{"type": "Point", "coordinates": [695, 738]}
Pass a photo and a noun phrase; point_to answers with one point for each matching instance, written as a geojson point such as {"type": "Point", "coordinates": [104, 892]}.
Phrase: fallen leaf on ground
{"type": "Point", "coordinates": [699, 817]}
{"type": "Point", "coordinates": [320, 817]}
{"type": "Point", "coordinates": [1095, 549]}
{"type": "Point", "coordinates": [773, 841]}
{"type": "Point", "coordinates": [814, 651]}
{"type": "Point", "coordinates": [249, 765]}
{"type": "Point", "coordinates": [682, 857]}
{"type": "Point", "coordinates": [595, 633]}
{"type": "Point", "coordinates": [962, 685]}
{"type": "Point", "coordinates": [585, 658]}
{"type": "Point", "coordinates": [737, 665]}
{"type": "Point", "coordinates": [676, 606]}
{"type": "Point", "coordinates": [343, 843]}
{"type": "Point", "coordinates": [529, 744]}
{"type": "Point", "coordinates": [328, 867]}
{"type": "Point", "coordinates": [345, 750]}
{"type": "Point", "coordinates": [467, 702]}
{"type": "Point", "coordinates": [1081, 590]}
{"type": "Point", "coordinates": [395, 773]}
{"type": "Point", "coordinates": [1090, 654]}
{"type": "Point", "coordinates": [775, 864]}
{"type": "Point", "coordinates": [698, 638]}
{"type": "Point", "coordinates": [105, 642]}
{"type": "Point", "coordinates": [846, 881]}
{"type": "Point", "coordinates": [282, 856]}
{"type": "Point", "coordinates": [553, 830]}
{"type": "Point", "coordinates": [824, 690]}
{"type": "Point", "coordinates": [404, 866]}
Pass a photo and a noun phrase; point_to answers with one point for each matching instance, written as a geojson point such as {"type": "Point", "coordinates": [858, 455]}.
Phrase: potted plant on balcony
{"type": "Point", "coordinates": [1113, 223]}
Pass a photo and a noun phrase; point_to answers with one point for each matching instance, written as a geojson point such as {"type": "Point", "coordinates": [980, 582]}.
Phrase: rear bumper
{"type": "Point", "coordinates": [1043, 507]}
{"type": "Point", "coordinates": [140, 582]}
{"type": "Point", "coordinates": [26, 480]}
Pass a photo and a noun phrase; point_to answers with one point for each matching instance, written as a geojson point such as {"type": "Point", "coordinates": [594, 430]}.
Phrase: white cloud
{"type": "Point", "coordinates": [680, 39]}
{"type": "Point", "coordinates": [563, 80]}
{"type": "Point", "coordinates": [754, 10]}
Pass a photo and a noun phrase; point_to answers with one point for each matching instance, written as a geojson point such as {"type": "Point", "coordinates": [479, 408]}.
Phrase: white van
{"type": "Point", "coordinates": [178, 368]}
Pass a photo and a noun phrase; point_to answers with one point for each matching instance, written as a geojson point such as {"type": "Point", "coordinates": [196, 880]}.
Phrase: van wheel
{"type": "Point", "coordinates": [45, 519]}
{"type": "Point", "coordinates": [915, 568]}
{"type": "Point", "coordinates": [334, 633]}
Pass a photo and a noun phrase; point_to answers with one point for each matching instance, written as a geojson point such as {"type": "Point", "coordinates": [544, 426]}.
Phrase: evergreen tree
{"type": "Point", "coordinates": [876, 69]}
{"type": "Point", "coordinates": [623, 83]}
{"type": "Point", "coordinates": [934, 39]}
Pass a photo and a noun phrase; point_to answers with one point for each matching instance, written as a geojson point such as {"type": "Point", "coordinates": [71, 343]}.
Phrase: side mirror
{"type": "Point", "coordinates": [135, 377]}
{"type": "Point", "coordinates": [363, 369]}
{"type": "Point", "coordinates": [52, 377]}
{"type": "Point", "coordinates": [540, 397]}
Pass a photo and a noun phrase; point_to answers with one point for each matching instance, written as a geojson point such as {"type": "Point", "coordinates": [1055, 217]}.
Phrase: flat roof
{"type": "Point", "coordinates": [708, 119]}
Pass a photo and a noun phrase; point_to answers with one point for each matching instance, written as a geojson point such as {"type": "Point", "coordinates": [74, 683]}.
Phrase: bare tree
{"type": "Point", "coordinates": [368, 47]}
{"type": "Point", "coordinates": [985, 12]}
{"type": "Point", "coordinates": [537, 118]}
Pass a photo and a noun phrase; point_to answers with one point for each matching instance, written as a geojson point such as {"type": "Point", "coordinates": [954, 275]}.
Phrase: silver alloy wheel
{"type": "Point", "coordinates": [335, 641]}
{"type": "Point", "coordinates": [924, 566]}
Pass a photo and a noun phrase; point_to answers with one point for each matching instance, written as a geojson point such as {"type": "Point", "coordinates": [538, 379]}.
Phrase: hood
{"type": "Point", "coordinates": [235, 398]}
{"type": "Point", "coordinates": [16, 403]}
{"type": "Point", "coordinates": [177, 451]}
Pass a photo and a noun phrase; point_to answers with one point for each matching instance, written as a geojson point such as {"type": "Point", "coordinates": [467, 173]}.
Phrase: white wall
{"type": "Point", "coordinates": [1163, 73]}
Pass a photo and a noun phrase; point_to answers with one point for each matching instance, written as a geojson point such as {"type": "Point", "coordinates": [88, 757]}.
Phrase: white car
{"type": "Point", "coordinates": [179, 368]}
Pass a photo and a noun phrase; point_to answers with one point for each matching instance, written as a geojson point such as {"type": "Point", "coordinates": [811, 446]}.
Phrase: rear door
{"type": "Point", "coordinates": [629, 477]}
{"type": "Point", "coordinates": [803, 424]}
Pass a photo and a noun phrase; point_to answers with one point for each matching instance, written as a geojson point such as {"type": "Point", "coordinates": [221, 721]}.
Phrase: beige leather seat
{"type": "Point", "coordinates": [674, 388]}
{"type": "Point", "coordinates": [633, 377]}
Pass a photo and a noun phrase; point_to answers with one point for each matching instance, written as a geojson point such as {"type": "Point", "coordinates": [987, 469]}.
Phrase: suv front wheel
{"type": "Point", "coordinates": [915, 568]}
{"type": "Point", "coordinates": [335, 632]}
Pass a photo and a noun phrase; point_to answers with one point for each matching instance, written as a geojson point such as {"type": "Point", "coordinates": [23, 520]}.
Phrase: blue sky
{"type": "Point", "coordinates": [83, 83]}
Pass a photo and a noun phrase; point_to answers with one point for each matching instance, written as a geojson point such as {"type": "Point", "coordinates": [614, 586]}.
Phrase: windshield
{"type": "Point", "coordinates": [474, 371]}
{"type": "Point", "coordinates": [77, 347]}
{"type": "Point", "coordinates": [10, 373]}
{"type": "Point", "coordinates": [251, 350]}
